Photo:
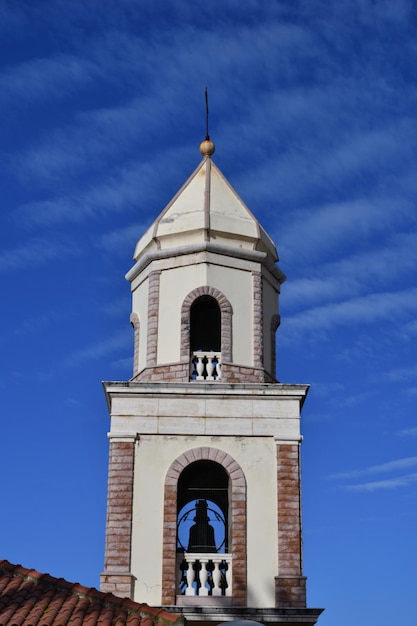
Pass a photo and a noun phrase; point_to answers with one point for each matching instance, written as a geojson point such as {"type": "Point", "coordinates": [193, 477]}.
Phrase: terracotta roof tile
{"type": "Point", "coordinates": [29, 598]}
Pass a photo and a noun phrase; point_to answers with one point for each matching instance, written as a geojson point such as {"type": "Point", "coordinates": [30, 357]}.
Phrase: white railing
{"type": "Point", "coordinates": [206, 365]}
{"type": "Point", "coordinates": [206, 574]}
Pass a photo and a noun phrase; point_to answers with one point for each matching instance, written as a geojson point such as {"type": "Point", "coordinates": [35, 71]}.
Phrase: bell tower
{"type": "Point", "coordinates": [204, 509]}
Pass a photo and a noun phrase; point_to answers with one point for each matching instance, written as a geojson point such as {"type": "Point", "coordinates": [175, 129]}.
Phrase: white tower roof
{"type": "Point", "coordinates": [206, 209]}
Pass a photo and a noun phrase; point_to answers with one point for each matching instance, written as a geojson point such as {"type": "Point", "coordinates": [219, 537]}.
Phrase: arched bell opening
{"type": "Point", "coordinates": [203, 529]}
{"type": "Point", "coordinates": [188, 480]}
{"type": "Point", "coordinates": [205, 338]}
{"type": "Point", "coordinates": [206, 319]}
{"type": "Point", "coordinates": [203, 508]}
{"type": "Point", "coordinates": [205, 325]}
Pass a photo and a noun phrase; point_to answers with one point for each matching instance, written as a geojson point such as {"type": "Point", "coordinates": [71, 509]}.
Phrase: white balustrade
{"type": "Point", "coordinates": [206, 365]}
{"type": "Point", "coordinates": [207, 574]}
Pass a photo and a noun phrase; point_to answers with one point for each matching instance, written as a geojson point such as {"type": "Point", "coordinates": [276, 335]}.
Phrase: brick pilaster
{"type": "Point", "coordinates": [290, 584]}
{"type": "Point", "coordinates": [153, 315]}
{"type": "Point", "coordinates": [258, 340]}
{"type": "Point", "coordinates": [116, 577]}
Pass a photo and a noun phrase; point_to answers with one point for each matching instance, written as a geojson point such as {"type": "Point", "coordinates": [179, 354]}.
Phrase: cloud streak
{"type": "Point", "coordinates": [334, 280]}
{"type": "Point", "coordinates": [380, 485]}
{"type": "Point", "coordinates": [123, 191]}
{"type": "Point", "coordinates": [36, 252]}
{"type": "Point", "coordinates": [367, 309]}
{"type": "Point", "coordinates": [119, 341]}
{"type": "Point", "coordinates": [395, 482]}
{"type": "Point", "coordinates": [390, 466]}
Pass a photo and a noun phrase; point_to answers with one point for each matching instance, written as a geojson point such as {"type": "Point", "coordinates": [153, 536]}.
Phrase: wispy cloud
{"type": "Point", "coordinates": [120, 341]}
{"type": "Point", "coordinates": [396, 258]}
{"type": "Point", "coordinates": [36, 252]}
{"type": "Point", "coordinates": [403, 374]}
{"type": "Point", "coordinates": [130, 187]}
{"type": "Point", "coordinates": [324, 230]}
{"type": "Point", "coordinates": [408, 432]}
{"type": "Point", "coordinates": [122, 238]}
{"type": "Point", "coordinates": [390, 467]}
{"type": "Point", "coordinates": [117, 308]}
{"type": "Point", "coordinates": [45, 77]}
{"type": "Point", "coordinates": [375, 307]}
{"type": "Point", "coordinates": [379, 485]}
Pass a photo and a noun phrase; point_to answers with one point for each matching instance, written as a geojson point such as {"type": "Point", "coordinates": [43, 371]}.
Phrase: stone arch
{"type": "Point", "coordinates": [238, 520]}
{"type": "Point", "coordinates": [226, 321]}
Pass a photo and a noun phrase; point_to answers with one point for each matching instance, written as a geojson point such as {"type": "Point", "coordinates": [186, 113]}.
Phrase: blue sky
{"type": "Point", "coordinates": [312, 109]}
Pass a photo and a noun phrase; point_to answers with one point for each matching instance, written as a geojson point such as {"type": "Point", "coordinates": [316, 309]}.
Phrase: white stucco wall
{"type": "Point", "coordinates": [177, 283]}
{"type": "Point", "coordinates": [237, 287]}
{"type": "Point", "coordinates": [257, 459]}
{"type": "Point", "coordinates": [175, 286]}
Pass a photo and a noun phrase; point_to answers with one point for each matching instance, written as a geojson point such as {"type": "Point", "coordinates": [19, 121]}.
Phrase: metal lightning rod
{"type": "Point", "coordinates": [207, 114]}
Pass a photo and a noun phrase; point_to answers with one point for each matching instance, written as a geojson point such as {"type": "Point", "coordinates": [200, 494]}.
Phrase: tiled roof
{"type": "Point", "coordinates": [29, 598]}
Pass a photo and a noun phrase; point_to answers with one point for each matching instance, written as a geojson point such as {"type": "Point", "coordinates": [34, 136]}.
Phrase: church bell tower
{"type": "Point", "coordinates": [204, 509]}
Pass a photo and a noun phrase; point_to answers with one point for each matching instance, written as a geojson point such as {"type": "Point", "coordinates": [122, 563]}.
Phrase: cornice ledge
{"type": "Point", "coordinates": [206, 246]}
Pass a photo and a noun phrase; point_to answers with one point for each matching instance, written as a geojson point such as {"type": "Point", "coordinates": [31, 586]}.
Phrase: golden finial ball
{"type": "Point", "coordinates": [207, 147]}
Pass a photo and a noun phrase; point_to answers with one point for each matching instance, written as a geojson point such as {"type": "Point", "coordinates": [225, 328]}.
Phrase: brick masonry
{"type": "Point", "coordinates": [170, 372]}
{"type": "Point", "coordinates": [290, 584]}
{"type": "Point", "coordinates": [238, 521]}
{"type": "Point", "coordinates": [153, 318]}
{"type": "Point", "coordinates": [116, 577]}
{"type": "Point", "coordinates": [257, 335]}
{"type": "Point", "coordinates": [180, 373]}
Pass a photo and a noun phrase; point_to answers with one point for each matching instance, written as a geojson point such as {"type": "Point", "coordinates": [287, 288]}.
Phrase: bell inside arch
{"type": "Point", "coordinates": [201, 537]}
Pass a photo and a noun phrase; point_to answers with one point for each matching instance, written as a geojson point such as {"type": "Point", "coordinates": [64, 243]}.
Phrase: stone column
{"type": "Point", "coordinates": [290, 584]}
{"type": "Point", "coordinates": [116, 577]}
{"type": "Point", "coordinates": [153, 316]}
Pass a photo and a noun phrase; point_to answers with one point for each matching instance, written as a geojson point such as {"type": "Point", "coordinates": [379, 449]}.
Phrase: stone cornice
{"type": "Point", "coordinates": [206, 246]}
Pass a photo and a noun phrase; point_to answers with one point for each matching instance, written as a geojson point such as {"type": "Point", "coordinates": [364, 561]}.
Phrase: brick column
{"type": "Point", "coordinates": [116, 577]}
{"type": "Point", "coordinates": [258, 340]}
{"type": "Point", "coordinates": [153, 315]}
{"type": "Point", "coordinates": [290, 584]}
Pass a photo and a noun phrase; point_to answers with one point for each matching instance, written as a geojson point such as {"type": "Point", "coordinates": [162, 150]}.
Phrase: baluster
{"type": "Point", "coordinates": [210, 367]}
{"type": "Point", "coordinates": [203, 591]}
{"type": "Point", "coordinates": [218, 369]}
{"type": "Point", "coordinates": [228, 576]}
{"type": "Point", "coordinates": [190, 591]}
{"type": "Point", "coordinates": [217, 577]}
{"type": "Point", "coordinates": [200, 368]}
{"type": "Point", "coordinates": [193, 371]}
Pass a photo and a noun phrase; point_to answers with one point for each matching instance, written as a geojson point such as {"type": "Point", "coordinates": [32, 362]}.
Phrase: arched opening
{"type": "Point", "coordinates": [205, 325]}
{"type": "Point", "coordinates": [194, 467]}
{"type": "Point", "coordinates": [203, 530]}
{"type": "Point", "coordinates": [206, 320]}
{"type": "Point", "coordinates": [203, 508]}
